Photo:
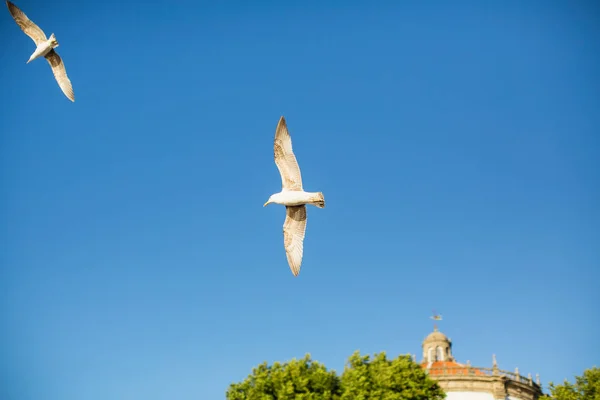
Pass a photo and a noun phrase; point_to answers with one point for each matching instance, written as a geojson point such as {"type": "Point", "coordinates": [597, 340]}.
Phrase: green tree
{"type": "Point", "coordinates": [303, 379]}
{"type": "Point", "coordinates": [363, 379]}
{"type": "Point", "coordinates": [586, 387]}
{"type": "Point", "coordinates": [383, 379]}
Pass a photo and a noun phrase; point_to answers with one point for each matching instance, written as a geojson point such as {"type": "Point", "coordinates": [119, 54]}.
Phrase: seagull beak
{"type": "Point", "coordinates": [264, 205]}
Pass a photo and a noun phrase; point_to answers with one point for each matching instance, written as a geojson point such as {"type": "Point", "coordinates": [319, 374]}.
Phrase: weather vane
{"type": "Point", "coordinates": [436, 317]}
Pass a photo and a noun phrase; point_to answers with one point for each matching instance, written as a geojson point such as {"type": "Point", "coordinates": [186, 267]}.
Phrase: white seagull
{"type": "Point", "coordinates": [292, 196]}
{"type": "Point", "coordinates": [44, 48]}
{"type": "Point", "coordinates": [436, 316]}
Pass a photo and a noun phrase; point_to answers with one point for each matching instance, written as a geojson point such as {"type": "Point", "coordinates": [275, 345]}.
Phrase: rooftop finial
{"type": "Point", "coordinates": [495, 370]}
{"type": "Point", "coordinates": [537, 379]}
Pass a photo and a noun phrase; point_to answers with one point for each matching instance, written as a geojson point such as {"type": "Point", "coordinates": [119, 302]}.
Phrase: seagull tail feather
{"type": "Point", "coordinates": [319, 200]}
{"type": "Point", "coordinates": [53, 41]}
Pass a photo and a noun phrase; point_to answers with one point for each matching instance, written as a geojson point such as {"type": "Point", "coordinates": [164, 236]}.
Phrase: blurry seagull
{"type": "Point", "coordinates": [436, 316]}
{"type": "Point", "coordinates": [292, 196]}
{"type": "Point", "coordinates": [45, 48]}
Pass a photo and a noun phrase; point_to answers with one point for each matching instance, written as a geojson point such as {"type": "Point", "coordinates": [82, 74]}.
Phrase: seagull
{"type": "Point", "coordinates": [44, 48]}
{"type": "Point", "coordinates": [436, 316]}
{"type": "Point", "coordinates": [292, 196]}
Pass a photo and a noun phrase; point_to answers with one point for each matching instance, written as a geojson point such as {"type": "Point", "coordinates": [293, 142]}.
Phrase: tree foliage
{"type": "Point", "coordinates": [294, 380]}
{"type": "Point", "coordinates": [362, 379]}
{"type": "Point", "coordinates": [586, 387]}
{"type": "Point", "coordinates": [383, 379]}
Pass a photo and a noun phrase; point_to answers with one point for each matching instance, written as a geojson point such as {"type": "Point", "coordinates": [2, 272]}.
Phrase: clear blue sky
{"type": "Point", "coordinates": [456, 145]}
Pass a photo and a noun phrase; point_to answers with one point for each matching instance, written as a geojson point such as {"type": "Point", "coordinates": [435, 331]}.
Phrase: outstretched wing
{"type": "Point", "coordinates": [291, 179]}
{"type": "Point", "coordinates": [294, 228]}
{"type": "Point", "coordinates": [26, 25]}
{"type": "Point", "coordinates": [60, 74]}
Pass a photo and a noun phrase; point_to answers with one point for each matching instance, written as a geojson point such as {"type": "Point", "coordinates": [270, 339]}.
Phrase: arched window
{"type": "Point", "coordinates": [430, 354]}
{"type": "Point", "coordinates": [440, 354]}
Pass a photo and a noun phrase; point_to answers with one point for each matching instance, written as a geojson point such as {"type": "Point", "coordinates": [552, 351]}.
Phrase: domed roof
{"type": "Point", "coordinates": [437, 347]}
{"type": "Point", "coordinates": [436, 336]}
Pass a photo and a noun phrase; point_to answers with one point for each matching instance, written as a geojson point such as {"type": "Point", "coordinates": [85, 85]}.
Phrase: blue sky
{"type": "Point", "coordinates": [456, 145]}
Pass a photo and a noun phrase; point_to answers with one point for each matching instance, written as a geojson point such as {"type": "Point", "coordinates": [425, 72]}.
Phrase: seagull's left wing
{"type": "Point", "coordinates": [60, 74]}
{"type": "Point", "coordinates": [294, 229]}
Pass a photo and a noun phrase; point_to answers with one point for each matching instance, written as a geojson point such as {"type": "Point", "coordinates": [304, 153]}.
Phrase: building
{"type": "Point", "coordinates": [465, 382]}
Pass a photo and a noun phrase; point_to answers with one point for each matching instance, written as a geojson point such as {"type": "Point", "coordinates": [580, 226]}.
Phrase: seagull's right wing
{"type": "Point", "coordinates": [291, 179]}
{"type": "Point", "coordinates": [30, 29]}
{"type": "Point", "coordinates": [60, 74]}
{"type": "Point", "coordinates": [294, 229]}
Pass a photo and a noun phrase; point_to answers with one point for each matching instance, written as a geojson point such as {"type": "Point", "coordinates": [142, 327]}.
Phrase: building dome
{"type": "Point", "coordinates": [437, 347]}
{"type": "Point", "coordinates": [436, 336]}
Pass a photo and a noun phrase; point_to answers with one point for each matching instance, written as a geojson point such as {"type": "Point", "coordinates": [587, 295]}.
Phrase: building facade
{"type": "Point", "coordinates": [465, 382]}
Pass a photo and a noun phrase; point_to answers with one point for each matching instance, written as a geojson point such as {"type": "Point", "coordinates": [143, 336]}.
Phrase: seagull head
{"type": "Point", "coordinates": [272, 199]}
{"type": "Point", "coordinates": [268, 201]}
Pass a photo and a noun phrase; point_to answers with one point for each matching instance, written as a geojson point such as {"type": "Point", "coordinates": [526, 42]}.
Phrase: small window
{"type": "Point", "coordinates": [440, 354]}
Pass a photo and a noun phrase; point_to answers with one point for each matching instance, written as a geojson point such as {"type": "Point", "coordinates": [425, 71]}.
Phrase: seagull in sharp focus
{"type": "Point", "coordinates": [44, 48]}
{"type": "Point", "coordinates": [292, 196]}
